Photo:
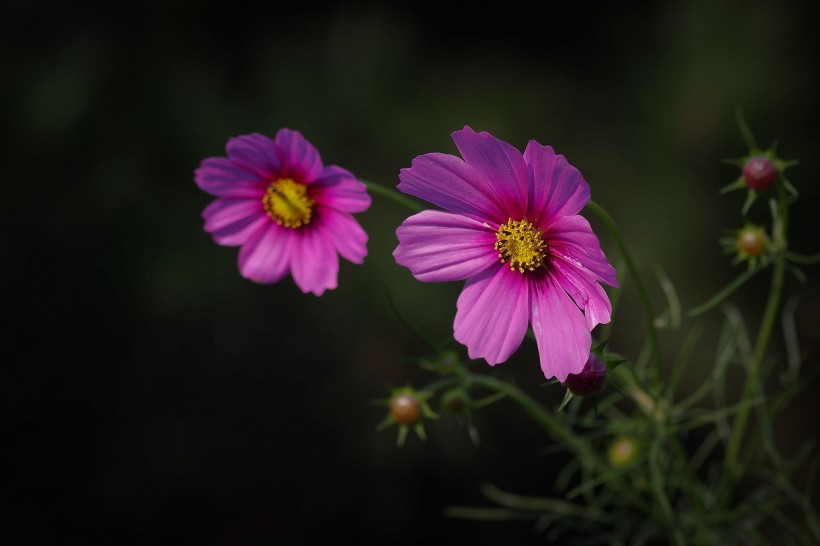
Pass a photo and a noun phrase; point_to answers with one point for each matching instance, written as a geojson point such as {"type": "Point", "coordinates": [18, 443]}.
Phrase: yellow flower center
{"type": "Point", "coordinates": [520, 243]}
{"type": "Point", "coordinates": [288, 203]}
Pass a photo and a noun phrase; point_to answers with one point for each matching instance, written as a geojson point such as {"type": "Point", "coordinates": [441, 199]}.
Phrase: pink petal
{"type": "Point", "coordinates": [560, 330]}
{"type": "Point", "coordinates": [339, 189]}
{"type": "Point", "coordinates": [300, 160]}
{"type": "Point", "coordinates": [572, 239]}
{"type": "Point", "coordinates": [255, 152]}
{"type": "Point", "coordinates": [441, 246]}
{"type": "Point", "coordinates": [556, 188]}
{"type": "Point", "coordinates": [314, 265]}
{"type": "Point", "coordinates": [344, 233]}
{"type": "Point", "coordinates": [501, 165]}
{"type": "Point", "coordinates": [450, 183]}
{"type": "Point", "coordinates": [492, 314]}
{"type": "Point", "coordinates": [223, 178]}
{"type": "Point", "coordinates": [266, 259]}
{"type": "Point", "coordinates": [587, 293]}
{"type": "Point", "coordinates": [234, 222]}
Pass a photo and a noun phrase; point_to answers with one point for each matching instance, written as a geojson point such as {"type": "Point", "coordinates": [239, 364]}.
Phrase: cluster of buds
{"type": "Point", "coordinates": [761, 175]}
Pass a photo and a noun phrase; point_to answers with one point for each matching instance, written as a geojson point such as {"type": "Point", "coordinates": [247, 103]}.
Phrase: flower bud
{"type": "Point", "coordinates": [591, 379]}
{"type": "Point", "coordinates": [405, 409]}
{"type": "Point", "coordinates": [751, 241]}
{"type": "Point", "coordinates": [622, 451]}
{"type": "Point", "coordinates": [455, 401]}
{"type": "Point", "coordinates": [759, 173]}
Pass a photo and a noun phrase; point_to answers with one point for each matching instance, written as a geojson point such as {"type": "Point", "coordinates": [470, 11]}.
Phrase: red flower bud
{"type": "Point", "coordinates": [405, 409]}
{"type": "Point", "coordinates": [759, 173]}
{"type": "Point", "coordinates": [751, 241]}
{"type": "Point", "coordinates": [590, 380]}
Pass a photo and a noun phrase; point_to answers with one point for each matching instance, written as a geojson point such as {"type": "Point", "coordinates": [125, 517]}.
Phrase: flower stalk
{"type": "Point", "coordinates": [753, 379]}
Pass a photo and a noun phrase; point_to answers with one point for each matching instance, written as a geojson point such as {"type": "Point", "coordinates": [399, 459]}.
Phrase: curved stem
{"type": "Point", "coordinates": [753, 379]}
{"type": "Point", "coordinates": [540, 415]}
{"type": "Point", "coordinates": [649, 315]}
{"type": "Point", "coordinates": [393, 195]}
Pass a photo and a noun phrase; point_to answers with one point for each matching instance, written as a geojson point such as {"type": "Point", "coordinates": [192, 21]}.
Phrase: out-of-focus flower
{"type": "Point", "coordinates": [590, 380]}
{"type": "Point", "coordinates": [622, 451]}
{"type": "Point", "coordinates": [510, 228]}
{"type": "Point", "coordinates": [288, 212]}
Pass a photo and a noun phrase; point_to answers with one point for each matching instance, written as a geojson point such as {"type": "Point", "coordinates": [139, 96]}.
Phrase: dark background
{"type": "Point", "coordinates": [151, 395]}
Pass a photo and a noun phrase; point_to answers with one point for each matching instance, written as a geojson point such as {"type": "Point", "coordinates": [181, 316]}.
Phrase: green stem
{"type": "Point", "coordinates": [393, 195]}
{"type": "Point", "coordinates": [764, 335]}
{"type": "Point", "coordinates": [540, 415]}
{"type": "Point", "coordinates": [649, 315]}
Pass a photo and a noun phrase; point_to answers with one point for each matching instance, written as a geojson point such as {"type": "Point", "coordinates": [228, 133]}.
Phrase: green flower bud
{"type": "Point", "coordinates": [622, 451]}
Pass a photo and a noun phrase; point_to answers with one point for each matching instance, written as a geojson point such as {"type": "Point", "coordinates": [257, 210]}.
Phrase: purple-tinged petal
{"type": "Point", "coordinates": [492, 314]}
{"type": "Point", "coordinates": [223, 178]}
{"type": "Point", "coordinates": [501, 164]}
{"type": "Point", "coordinates": [450, 183]}
{"type": "Point", "coordinates": [255, 152]}
{"type": "Point", "coordinates": [234, 222]}
{"type": "Point", "coordinates": [560, 330]}
{"type": "Point", "coordinates": [338, 188]}
{"type": "Point", "coordinates": [571, 238]}
{"type": "Point", "coordinates": [266, 258]}
{"type": "Point", "coordinates": [587, 293]}
{"type": "Point", "coordinates": [344, 233]}
{"type": "Point", "coordinates": [301, 159]}
{"type": "Point", "coordinates": [441, 246]}
{"type": "Point", "coordinates": [556, 188]}
{"type": "Point", "coordinates": [315, 267]}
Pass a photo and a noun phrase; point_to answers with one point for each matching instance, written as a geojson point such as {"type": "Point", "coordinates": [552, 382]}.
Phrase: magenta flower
{"type": "Point", "coordinates": [510, 228]}
{"type": "Point", "coordinates": [288, 212]}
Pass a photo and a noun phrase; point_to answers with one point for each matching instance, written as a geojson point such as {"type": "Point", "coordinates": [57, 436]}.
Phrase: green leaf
{"type": "Point", "coordinates": [723, 294]}
{"type": "Point", "coordinates": [738, 184]}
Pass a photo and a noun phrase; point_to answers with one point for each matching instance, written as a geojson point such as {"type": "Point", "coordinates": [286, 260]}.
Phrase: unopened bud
{"type": "Point", "coordinates": [405, 409]}
{"type": "Point", "coordinates": [591, 379]}
{"type": "Point", "coordinates": [622, 451]}
{"type": "Point", "coordinates": [455, 401]}
{"type": "Point", "coordinates": [759, 173]}
{"type": "Point", "coordinates": [751, 241]}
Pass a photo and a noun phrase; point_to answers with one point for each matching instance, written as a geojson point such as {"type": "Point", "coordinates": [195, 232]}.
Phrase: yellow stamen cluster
{"type": "Point", "coordinates": [520, 243]}
{"type": "Point", "coordinates": [288, 203]}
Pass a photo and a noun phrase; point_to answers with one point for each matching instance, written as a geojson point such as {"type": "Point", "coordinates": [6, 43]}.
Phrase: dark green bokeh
{"type": "Point", "coordinates": [151, 393]}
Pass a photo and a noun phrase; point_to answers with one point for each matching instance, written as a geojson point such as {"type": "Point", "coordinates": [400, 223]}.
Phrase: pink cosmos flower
{"type": "Point", "coordinates": [510, 228]}
{"type": "Point", "coordinates": [288, 212]}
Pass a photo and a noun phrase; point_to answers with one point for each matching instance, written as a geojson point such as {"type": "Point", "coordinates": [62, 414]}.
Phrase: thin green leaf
{"type": "Point", "coordinates": [709, 417]}
{"type": "Point", "coordinates": [672, 316]}
{"type": "Point", "coordinates": [682, 357]}
{"type": "Point", "coordinates": [746, 133]}
{"type": "Point", "coordinates": [790, 339]}
{"type": "Point", "coordinates": [543, 504]}
{"type": "Point", "coordinates": [738, 184]}
{"type": "Point", "coordinates": [723, 294]}
{"type": "Point", "coordinates": [802, 258]}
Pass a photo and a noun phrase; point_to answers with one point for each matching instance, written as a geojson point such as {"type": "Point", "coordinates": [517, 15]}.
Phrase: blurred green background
{"type": "Point", "coordinates": [153, 395]}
